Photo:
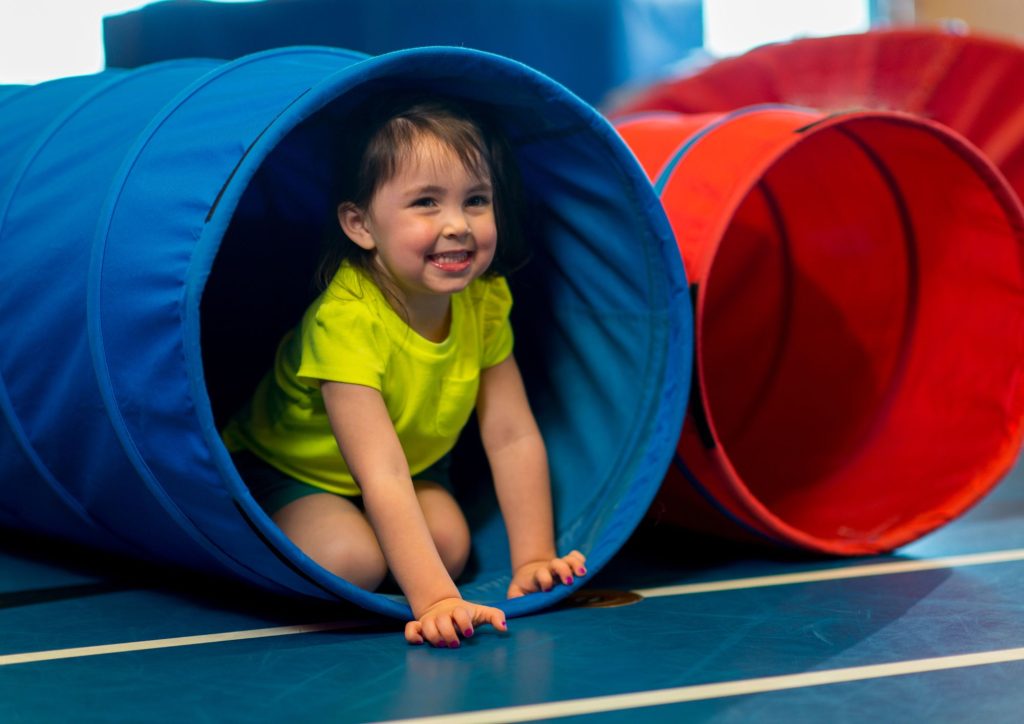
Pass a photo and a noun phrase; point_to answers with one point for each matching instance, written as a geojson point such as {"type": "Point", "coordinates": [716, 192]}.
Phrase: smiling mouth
{"type": "Point", "coordinates": [451, 260]}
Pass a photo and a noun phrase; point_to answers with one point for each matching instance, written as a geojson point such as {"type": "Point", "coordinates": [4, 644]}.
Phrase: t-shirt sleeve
{"type": "Point", "coordinates": [495, 306]}
{"type": "Point", "coordinates": [343, 342]}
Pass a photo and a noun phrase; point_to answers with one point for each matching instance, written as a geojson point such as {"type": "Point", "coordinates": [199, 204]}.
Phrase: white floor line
{"type": "Point", "coordinates": [837, 573]}
{"type": "Point", "coordinates": [700, 692]}
{"type": "Point", "coordinates": [259, 633]}
{"type": "Point", "coordinates": [828, 574]}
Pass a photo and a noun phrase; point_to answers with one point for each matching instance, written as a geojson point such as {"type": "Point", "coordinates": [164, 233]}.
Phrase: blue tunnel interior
{"type": "Point", "coordinates": [182, 207]}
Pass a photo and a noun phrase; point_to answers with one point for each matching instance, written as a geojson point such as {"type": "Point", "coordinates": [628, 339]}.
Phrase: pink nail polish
{"type": "Point", "coordinates": [568, 581]}
{"type": "Point", "coordinates": [468, 632]}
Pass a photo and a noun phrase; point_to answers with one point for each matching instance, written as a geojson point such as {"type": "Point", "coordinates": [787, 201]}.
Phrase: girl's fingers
{"type": "Point", "coordinates": [443, 630]}
{"type": "Point", "coordinates": [515, 591]}
{"type": "Point", "coordinates": [544, 579]}
{"type": "Point", "coordinates": [414, 632]}
{"type": "Point", "coordinates": [493, 616]}
{"type": "Point", "coordinates": [576, 561]}
{"type": "Point", "coordinates": [447, 630]}
{"type": "Point", "coordinates": [463, 622]}
{"type": "Point", "coordinates": [563, 570]}
{"type": "Point", "coordinates": [430, 632]}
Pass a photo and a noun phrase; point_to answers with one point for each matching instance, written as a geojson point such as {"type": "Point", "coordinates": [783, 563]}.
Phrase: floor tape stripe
{"type": "Point", "coordinates": [260, 633]}
{"type": "Point", "coordinates": [700, 692]}
{"type": "Point", "coordinates": [836, 574]}
{"type": "Point", "coordinates": [828, 574]}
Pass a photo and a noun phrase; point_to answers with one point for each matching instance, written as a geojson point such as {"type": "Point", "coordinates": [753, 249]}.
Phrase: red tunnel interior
{"type": "Point", "coordinates": [860, 326]}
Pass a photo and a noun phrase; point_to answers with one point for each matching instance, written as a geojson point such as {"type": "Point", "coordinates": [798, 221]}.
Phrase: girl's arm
{"type": "Point", "coordinates": [371, 449]}
{"type": "Point", "coordinates": [519, 464]}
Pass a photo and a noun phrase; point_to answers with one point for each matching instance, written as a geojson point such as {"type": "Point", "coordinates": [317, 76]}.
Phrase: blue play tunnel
{"type": "Point", "coordinates": [159, 230]}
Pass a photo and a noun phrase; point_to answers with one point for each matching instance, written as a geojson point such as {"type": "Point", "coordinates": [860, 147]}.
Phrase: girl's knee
{"type": "Point", "coordinates": [361, 563]}
{"type": "Point", "coordinates": [453, 546]}
{"type": "Point", "coordinates": [447, 526]}
{"type": "Point", "coordinates": [336, 535]}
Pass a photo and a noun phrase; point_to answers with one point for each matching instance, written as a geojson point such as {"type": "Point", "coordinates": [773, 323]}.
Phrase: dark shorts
{"type": "Point", "coordinates": [274, 489]}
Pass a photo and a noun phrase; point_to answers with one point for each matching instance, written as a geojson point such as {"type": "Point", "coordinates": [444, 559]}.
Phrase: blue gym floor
{"type": "Point", "coordinates": [724, 634]}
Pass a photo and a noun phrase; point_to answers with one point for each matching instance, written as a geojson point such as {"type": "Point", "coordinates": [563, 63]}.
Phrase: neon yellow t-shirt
{"type": "Point", "coordinates": [351, 334]}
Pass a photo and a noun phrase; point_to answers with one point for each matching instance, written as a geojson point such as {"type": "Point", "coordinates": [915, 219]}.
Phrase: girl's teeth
{"type": "Point", "coordinates": [453, 258]}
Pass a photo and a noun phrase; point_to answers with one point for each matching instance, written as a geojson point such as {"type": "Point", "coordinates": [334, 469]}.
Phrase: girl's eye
{"type": "Point", "coordinates": [425, 201]}
{"type": "Point", "coordinates": [478, 200]}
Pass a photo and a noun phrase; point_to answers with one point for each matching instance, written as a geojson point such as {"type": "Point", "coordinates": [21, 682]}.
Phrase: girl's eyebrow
{"type": "Point", "coordinates": [434, 189]}
{"type": "Point", "coordinates": [428, 190]}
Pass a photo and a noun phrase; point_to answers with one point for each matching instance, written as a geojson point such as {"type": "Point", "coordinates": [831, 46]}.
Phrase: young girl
{"type": "Point", "coordinates": [345, 442]}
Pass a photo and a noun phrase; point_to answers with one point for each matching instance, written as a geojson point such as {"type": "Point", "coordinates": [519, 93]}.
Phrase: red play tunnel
{"type": "Point", "coordinates": [859, 288]}
{"type": "Point", "coordinates": [970, 83]}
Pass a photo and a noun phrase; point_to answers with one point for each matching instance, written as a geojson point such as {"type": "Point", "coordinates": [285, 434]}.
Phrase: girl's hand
{"type": "Point", "coordinates": [542, 575]}
{"type": "Point", "coordinates": [441, 624]}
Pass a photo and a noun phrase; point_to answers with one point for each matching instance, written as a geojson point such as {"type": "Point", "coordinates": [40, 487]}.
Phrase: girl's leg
{"type": "Point", "coordinates": [334, 532]}
{"type": "Point", "coordinates": [447, 525]}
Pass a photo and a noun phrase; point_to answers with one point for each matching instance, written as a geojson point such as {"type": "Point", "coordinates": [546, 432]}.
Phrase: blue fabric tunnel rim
{"type": "Point", "coordinates": [677, 353]}
{"type": "Point", "coordinates": [647, 443]}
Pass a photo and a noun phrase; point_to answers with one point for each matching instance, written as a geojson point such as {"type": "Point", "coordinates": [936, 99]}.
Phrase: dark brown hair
{"type": "Point", "coordinates": [383, 133]}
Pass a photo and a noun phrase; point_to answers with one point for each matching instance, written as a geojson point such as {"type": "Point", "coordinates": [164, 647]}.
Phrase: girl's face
{"type": "Point", "coordinates": [431, 225]}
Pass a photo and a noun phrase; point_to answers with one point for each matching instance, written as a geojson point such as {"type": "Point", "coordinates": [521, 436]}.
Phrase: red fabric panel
{"type": "Point", "coordinates": [860, 323]}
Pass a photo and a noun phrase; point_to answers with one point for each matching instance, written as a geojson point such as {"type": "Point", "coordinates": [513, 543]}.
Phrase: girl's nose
{"type": "Point", "coordinates": [457, 226]}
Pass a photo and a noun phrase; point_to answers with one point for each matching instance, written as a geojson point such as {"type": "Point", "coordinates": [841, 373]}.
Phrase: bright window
{"type": "Point", "coordinates": [732, 27]}
{"type": "Point", "coordinates": [45, 39]}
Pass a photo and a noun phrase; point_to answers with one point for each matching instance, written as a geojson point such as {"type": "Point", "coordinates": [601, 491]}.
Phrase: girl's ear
{"type": "Point", "coordinates": [354, 222]}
